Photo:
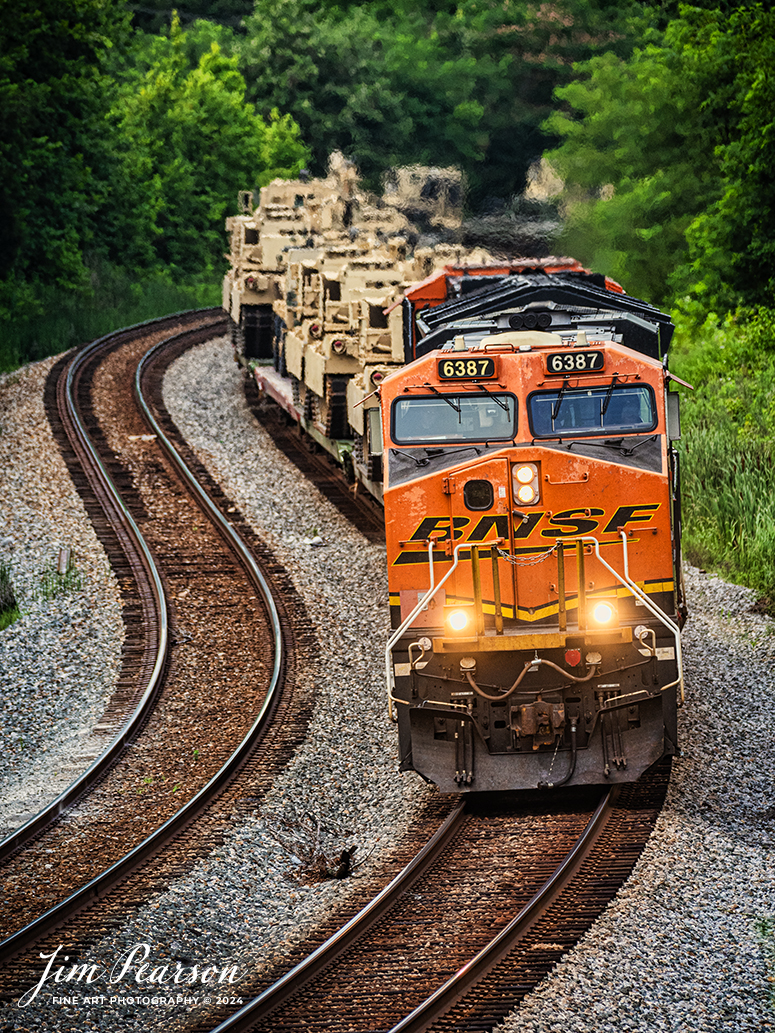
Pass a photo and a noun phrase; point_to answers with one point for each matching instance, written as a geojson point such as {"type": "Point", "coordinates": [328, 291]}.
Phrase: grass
{"type": "Point", "coordinates": [765, 928]}
{"type": "Point", "coordinates": [9, 608]}
{"type": "Point", "coordinates": [116, 300]}
{"type": "Point", "coordinates": [728, 448]}
{"type": "Point", "coordinates": [729, 507]}
{"type": "Point", "coordinates": [52, 584]}
{"type": "Point", "coordinates": [48, 585]}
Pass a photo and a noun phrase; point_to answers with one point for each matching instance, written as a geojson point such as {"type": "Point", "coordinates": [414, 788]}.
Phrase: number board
{"type": "Point", "coordinates": [575, 362]}
{"type": "Point", "coordinates": [466, 369]}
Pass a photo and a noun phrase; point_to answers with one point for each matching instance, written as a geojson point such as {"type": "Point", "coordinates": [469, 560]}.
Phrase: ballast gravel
{"type": "Point", "coordinates": [59, 661]}
{"type": "Point", "coordinates": [680, 949]}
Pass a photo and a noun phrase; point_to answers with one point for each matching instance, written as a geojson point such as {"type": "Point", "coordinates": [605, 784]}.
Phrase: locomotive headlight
{"type": "Point", "coordinates": [525, 483]}
{"type": "Point", "coordinates": [603, 614]}
{"type": "Point", "coordinates": [458, 620]}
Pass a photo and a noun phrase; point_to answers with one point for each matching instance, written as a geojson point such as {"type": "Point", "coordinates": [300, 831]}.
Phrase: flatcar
{"type": "Point", "coordinates": [532, 515]}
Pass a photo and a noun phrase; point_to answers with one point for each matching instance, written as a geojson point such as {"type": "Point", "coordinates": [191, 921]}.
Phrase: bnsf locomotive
{"type": "Point", "coordinates": [514, 419]}
{"type": "Point", "coordinates": [531, 506]}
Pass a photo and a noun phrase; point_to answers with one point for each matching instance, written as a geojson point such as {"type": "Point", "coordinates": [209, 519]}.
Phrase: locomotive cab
{"type": "Point", "coordinates": [531, 505]}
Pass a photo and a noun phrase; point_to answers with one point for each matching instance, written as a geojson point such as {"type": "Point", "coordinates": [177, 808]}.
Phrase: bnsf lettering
{"type": "Point", "coordinates": [486, 524]}
{"type": "Point", "coordinates": [429, 525]}
{"type": "Point", "coordinates": [568, 525]}
{"type": "Point", "coordinates": [629, 515]}
{"type": "Point", "coordinates": [524, 528]}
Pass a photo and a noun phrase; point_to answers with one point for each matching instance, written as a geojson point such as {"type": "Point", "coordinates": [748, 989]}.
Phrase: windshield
{"type": "Point", "coordinates": [592, 410]}
{"type": "Point", "coordinates": [452, 418]}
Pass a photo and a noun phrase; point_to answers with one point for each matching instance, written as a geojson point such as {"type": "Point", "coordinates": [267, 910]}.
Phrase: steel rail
{"type": "Point", "coordinates": [470, 973]}
{"type": "Point", "coordinates": [219, 520]}
{"type": "Point", "coordinates": [349, 933]}
{"type": "Point", "coordinates": [102, 884]}
{"type": "Point", "coordinates": [125, 527]}
{"type": "Point", "coordinates": [435, 1006]}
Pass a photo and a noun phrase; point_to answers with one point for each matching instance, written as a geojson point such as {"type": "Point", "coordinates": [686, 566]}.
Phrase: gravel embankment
{"type": "Point", "coordinates": [241, 905]}
{"type": "Point", "coordinates": [678, 950]}
{"type": "Point", "coordinates": [59, 662]}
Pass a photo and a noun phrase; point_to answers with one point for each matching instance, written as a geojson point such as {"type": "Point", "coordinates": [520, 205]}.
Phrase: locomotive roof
{"type": "Point", "coordinates": [574, 299]}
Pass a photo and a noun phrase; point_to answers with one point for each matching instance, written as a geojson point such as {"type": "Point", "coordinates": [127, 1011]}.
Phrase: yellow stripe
{"type": "Point", "coordinates": [551, 609]}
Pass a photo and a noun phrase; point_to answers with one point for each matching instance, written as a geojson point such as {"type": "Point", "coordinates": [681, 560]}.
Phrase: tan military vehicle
{"type": "Point", "coordinates": [317, 273]}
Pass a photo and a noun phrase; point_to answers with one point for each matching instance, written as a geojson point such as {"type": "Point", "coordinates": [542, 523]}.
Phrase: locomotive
{"type": "Point", "coordinates": [531, 498]}
{"type": "Point", "coordinates": [515, 420]}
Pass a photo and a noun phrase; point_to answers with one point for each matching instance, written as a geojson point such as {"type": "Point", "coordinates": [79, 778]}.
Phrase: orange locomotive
{"type": "Point", "coordinates": [532, 517]}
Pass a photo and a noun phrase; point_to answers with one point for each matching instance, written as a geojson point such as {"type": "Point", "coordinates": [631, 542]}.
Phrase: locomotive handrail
{"type": "Point", "coordinates": [650, 605]}
{"type": "Point", "coordinates": [625, 580]}
{"type": "Point", "coordinates": [421, 605]}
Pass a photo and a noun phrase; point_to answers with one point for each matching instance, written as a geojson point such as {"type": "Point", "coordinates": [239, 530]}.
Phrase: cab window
{"type": "Point", "coordinates": [452, 418]}
{"type": "Point", "coordinates": [592, 410]}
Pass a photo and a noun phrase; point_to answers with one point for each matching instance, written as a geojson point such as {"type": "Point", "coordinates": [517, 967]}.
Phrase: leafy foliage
{"type": "Point", "coordinates": [51, 87]}
{"type": "Point", "coordinates": [464, 84]}
{"type": "Point", "coordinates": [633, 181]}
{"type": "Point", "coordinates": [9, 608]}
{"type": "Point", "coordinates": [119, 158]}
{"type": "Point", "coordinates": [667, 159]}
{"type": "Point", "coordinates": [188, 142]}
{"type": "Point", "coordinates": [154, 15]}
{"type": "Point", "coordinates": [729, 425]}
{"type": "Point", "coordinates": [732, 242]}
{"type": "Point", "coordinates": [666, 156]}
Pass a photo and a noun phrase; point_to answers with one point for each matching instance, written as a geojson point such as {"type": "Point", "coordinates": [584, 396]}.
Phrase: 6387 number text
{"type": "Point", "coordinates": [462, 369]}
{"type": "Point", "coordinates": [575, 362]}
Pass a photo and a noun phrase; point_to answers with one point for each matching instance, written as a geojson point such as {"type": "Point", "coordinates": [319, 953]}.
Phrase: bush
{"type": "Point", "coordinates": [61, 320]}
{"type": "Point", "coordinates": [729, 446]}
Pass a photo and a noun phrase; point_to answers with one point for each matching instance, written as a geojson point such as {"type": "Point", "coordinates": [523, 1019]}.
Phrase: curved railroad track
{"type": "Point", "coordinates": [409, 960]}
{"type": "Point", "coordinates": [472, 923]}
{"type": "Point", "coordinates": [212, 643]}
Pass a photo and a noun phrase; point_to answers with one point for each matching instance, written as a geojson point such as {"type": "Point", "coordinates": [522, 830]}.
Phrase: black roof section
{"type": "Point", "coordinates": [573, 300]}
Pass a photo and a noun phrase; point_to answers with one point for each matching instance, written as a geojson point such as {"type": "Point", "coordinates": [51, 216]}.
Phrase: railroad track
{"type": "Point", "coordinates": [202, 615]}
{"type": "Point", "coordinates": [473, 923]}
{"type": "Point", "coordinates": [340, 994]}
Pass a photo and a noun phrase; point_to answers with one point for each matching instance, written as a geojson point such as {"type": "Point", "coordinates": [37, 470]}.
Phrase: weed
{"type": "Point", "coordinates": [765, 928]}
{"type": "Point", "coordinates": [729, 511]}
{"type": "Point", "coordinates": [64, 319]}
{"type": "Point", "coordinates": [729, 448]}
{"type": "Point", "coordinates": [320, 848]}
{"type": "Point", "coordinates": [8, 617]}
{"type": "Point", "coordinates": [53, 584]}
{"type": "Point", "coordinates": [9, 608]}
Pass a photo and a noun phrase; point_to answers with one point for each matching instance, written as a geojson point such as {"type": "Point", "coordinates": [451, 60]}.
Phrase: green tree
{"type": "Point", "coordinates": [630, 163]}
{"type": "Point", "coordinates": [462, 83]}
{"type": "Point", "coordinates": [155, 15]}
{"type": "Point", "coordinates": [667, 156]}
{"type": "Point", "coordinates": [53, 95]}
{"type": "Point", "coordinates": [732, 242]}
{"type": "Point", "coordinates": [189, 142]}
